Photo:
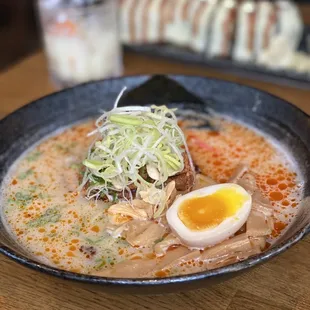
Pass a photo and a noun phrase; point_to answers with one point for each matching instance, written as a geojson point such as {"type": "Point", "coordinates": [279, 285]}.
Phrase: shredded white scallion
{"type": "Point", "coordinates": [129, 139]}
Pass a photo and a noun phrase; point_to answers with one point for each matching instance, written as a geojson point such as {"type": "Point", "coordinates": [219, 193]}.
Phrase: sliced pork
{"type": "Point", "coordinates": [184, 181]}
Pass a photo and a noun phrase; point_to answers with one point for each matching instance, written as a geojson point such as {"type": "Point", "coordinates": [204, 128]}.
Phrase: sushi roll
{"type": "Point", "coordinates": [124, 20]}
{"type": "Point", "coordinates": [289, 22]}
{"type": "Point", "coordinates": [222, 30]}
{"type": "Point", "coordinates": [266, 25]}
{"type": "Point", "coordinates": [167, 9]}
{"type": "Point", "coordinates": [140, 21]}
{"type": "Point", "coordinates": [200, 15]}
{"type": "Point", "coordinates": [285, 39]}
{"type": "Point", "coordinates": [177, 31]}
{"type": "Point", "coordinates": [152, 20]}
{"type": "Point", "coordinates": [300, 63]}
{"type": "Point", "coordinates": [139, 25]}
{"type": "Point", "coordinates": [131, 21]}
{"type": "Point", "coordinates": [243, 49]}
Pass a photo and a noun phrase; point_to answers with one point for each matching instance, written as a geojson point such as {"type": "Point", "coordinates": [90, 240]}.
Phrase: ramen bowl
{"type": "Point", "coordinates": [273, 116]}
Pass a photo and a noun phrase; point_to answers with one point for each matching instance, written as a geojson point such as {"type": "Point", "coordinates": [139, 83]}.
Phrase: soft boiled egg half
{"type": "Point", "coordinates": [209, 215]}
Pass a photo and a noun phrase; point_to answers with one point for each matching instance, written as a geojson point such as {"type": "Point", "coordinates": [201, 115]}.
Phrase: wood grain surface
{"type": "Point", "coordinates": [282, 283]}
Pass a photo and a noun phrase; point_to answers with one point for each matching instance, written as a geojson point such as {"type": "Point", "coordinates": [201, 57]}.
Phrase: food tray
{"type": "Point", "coordinates": [252, 71]}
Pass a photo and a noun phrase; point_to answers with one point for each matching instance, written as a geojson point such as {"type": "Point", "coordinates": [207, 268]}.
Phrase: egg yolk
{"type": "Point", "coordinates": [199, 213]}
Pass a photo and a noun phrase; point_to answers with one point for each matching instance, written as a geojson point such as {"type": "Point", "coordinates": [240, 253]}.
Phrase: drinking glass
{"type": "Point", "coordinates": [81, 40]}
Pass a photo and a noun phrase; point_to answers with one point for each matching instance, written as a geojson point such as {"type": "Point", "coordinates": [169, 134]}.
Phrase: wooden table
{"type": "Point", "coordinates": [282, 283]}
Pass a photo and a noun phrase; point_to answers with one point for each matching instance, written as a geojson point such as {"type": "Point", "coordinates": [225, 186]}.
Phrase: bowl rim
{"type": "Point", "coordinates": [226, 270]}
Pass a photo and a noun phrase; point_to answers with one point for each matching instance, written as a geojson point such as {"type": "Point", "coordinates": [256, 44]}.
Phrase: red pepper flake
{"type": "Point", "coordinates": [279, 226]}
{"type": "Point", "coordinates": [151, 255]}
{"type": "Point", "coordinates": [64, 28]}
{"type": "Point", "coordinates": [162, 273]}
{"type": "Point", "coordinates": [95, 228]}
{"type": "Point", "coordinates": [195, 140]}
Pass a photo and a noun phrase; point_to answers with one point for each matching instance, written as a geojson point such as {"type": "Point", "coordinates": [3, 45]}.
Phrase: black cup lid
{"type": "Point", "coordinates": [82, 3]}
{"type": "Point", "coordinates": [70, 3]}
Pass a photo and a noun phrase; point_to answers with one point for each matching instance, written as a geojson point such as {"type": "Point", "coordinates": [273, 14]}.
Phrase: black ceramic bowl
{"type": "Point", "coordinates": [281, 120]}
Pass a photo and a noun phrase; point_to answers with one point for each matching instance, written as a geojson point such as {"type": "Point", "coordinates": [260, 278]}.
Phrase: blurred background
{"type": "Point", "coordinates": [18, 30]}
{"type": "Point", "coordinates": [269, 39]}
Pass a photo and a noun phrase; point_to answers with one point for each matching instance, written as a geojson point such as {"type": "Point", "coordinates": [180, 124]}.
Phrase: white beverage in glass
{"type": "Point", "coordinates": [81, 40]}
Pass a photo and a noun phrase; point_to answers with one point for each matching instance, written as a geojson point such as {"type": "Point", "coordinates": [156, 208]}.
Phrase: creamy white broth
{"type": "Point", "coordinates": [45, 212]}
{"type": "Point", "coordinates": [54, 222]}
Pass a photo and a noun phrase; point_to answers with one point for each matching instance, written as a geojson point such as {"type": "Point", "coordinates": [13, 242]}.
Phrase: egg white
{"type": "Point", "coordinates": [209, 236]}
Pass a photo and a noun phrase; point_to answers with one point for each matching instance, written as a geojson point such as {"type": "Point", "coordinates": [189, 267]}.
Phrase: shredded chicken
{"type": "Point", "coordinates": [114, 230]}
{"type": "Point", "coordinates": [258, 242]}
{"type": "Point", "coordinates": [175, 261]}
{"type": "Point", "coordinates": [258, 224]}
{"type": "Point", "coordinates": [171, 193]}
{"type": "Point", "coordinates": [203, 181]}
{"type": "Point", "coordinates": [163, 221]}
{"type": "Point", "coordinates": [261, 204]}
{"type": "Point", "coordinates": [260, 220]}
{"type": "Point", "coordinates": [161, 247]}
{"type": "Point", "coordinates": [123, 212]}
{"type": "Point", "coordinates": [129, 269]}
{"type": "Point", "coordinates": [152, 196]}
{"type": "Point", "coordinates": [248, 182]}
{"type": "Point", "coordinates": [143, 267]}
{"type": "Point", "coordinates": [239, 243]}
{"type": "Point", "coordinates": [171, 256]}
{"type": "Point", "coordinates": [143, 233]}
{"type": "Point", "coordinates": [140, 231]}
{"type": "Point", "coordinates": [238, 173]}
{"type": "Point", "coordinates": [243, 177]}
{"type": "Point", "coordinates": [152, 172]}
{"type": "Point", "coordinates": [229, 251]}
{"type": "Point", "coordinates": [232, 250]}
